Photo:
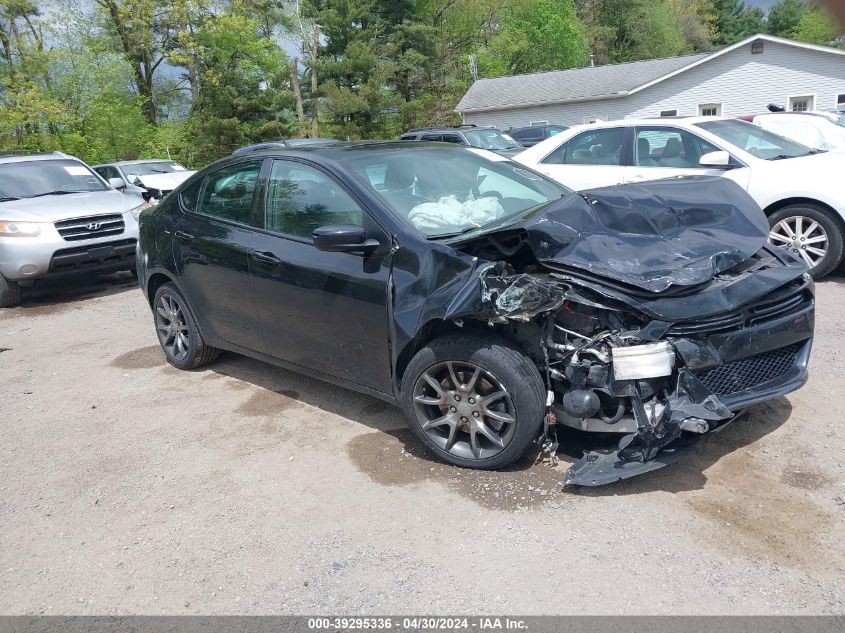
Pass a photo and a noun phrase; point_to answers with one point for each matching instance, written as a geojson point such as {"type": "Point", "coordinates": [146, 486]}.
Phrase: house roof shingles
{"type": "Point", "coordinates": [575, 84]}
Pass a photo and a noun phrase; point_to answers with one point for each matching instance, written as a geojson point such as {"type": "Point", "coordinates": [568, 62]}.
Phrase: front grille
{"type": "Point", "coordinates": [749, 372]}
{"type": "Point", "coordinates": [90, 227]}
{"type": "Point", "coordinates": [774, 306]}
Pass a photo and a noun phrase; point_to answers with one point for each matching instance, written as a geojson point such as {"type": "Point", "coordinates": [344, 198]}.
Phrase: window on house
{"type": "Point", "coordinates": [710, 109]}
{"type": "Point", "coordinates": [840, 100]}
{"type": "Point", "coordinates": [664, 113]}
{"type": "Point", "coordinates": [594, 119]}
{"type": "Point", "coordinates": [533, 123]}
{"type": "Point", "coordinates": [801, 104]}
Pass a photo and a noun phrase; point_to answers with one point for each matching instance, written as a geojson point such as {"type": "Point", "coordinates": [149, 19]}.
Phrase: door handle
{"type": "Point", "coordinates": [266, 258]}
{"type": "Point", "coordinates": [185, 237]}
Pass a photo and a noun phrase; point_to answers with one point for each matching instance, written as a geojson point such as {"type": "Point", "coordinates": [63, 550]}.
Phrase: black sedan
{"type": "Point", "coordinates": [491, 304]}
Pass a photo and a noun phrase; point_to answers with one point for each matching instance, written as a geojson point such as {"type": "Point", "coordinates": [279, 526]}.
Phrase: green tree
{"type": "Point", "coordinates": [623, 31]}
{"type": "Point", "coordinates": [535, 35]}
{"type": "Point", "coordinates": [785, 16]}
{"type": "Point", "coordinates": [736, 20]}
{"type": "Point", "coordinates": [817, 27]}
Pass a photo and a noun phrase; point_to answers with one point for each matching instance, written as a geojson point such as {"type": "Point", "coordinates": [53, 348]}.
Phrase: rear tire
{"type": "Point", "coordinates": [10, 293]}
{"type": "Point", "coordinates": [821, 233]}
{"type": "Point", "coordinates": [473, 400]}
{"type": "Point", "coordinates": [177, 330]}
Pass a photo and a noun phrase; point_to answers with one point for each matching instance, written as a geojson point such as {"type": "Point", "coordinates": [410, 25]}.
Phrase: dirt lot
{"type": "Point", "coordinates": [130, 487]}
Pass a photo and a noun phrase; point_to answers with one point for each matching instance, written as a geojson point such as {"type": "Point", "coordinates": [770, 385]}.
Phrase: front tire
{"type": "Point", "coordinates": [473, 400]}
{"type": "Point", "coordinates": [10, 293]}
{"type": "Point", "coordinates": [811, 233]}
{"type": "Point", "coordinates": [177, 331]}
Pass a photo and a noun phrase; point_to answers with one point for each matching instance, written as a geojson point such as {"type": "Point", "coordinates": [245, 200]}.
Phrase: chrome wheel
{"type": "Point", "coordinates": [171, 327]}
{"type": "Point", "coordinates": [803, 236]}
{"type": "Point", "coordinates": [464, 410]}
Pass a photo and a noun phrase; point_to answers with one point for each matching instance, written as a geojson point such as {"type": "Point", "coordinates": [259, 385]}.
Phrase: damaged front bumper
{"type": "Point", "coordinates": [704, 402]}
{"type": "Point", "coordinates": [601, 467]}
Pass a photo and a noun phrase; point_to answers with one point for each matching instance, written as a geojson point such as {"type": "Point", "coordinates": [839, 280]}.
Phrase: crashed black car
{"type": "Point", "coordinates": [491, 304]}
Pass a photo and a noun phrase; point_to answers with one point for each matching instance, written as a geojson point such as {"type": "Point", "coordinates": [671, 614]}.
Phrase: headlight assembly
{"type": "Point", "coordinates": [638, 362]}
{"type": "Point", "coordinates": [19, 229]}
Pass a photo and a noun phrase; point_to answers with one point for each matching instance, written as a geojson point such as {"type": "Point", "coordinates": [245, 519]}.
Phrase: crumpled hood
{"type": "Point", "coordinates": [165, 182]}
{"type": "Point", "coordinates": [655, 235]}
{"type": "Point", "coordinates": [71, 205]}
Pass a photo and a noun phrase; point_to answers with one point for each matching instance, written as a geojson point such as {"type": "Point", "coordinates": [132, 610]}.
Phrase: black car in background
{"type": "Point", "coordinates": [531, 135]}
{"type": "Point", "coordinates": [489, 303]}
{"type": "Point", "coordinates": [470, 135]}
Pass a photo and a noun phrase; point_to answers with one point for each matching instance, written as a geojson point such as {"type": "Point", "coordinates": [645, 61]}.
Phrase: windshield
{"type": "Point", "coordinates": [491, 139]}
{"type": "Point", "coordinates": [147, 169]}
{"type": "Point", "coordinates": [755, 140]}
{"type": "Point", "coordinates": [27, 179]}
{"type": "Point", "coordinates": [446, 191]}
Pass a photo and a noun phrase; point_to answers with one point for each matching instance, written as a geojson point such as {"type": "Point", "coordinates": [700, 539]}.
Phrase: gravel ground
{"type": "Point", "coordinates": [128, 487]}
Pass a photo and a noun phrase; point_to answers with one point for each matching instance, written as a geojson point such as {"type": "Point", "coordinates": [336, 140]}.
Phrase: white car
{"type": "Point", "coordinates": [152, 178]}
{"type": "Point", "coordinates": [798, 187]}
{"type": "Point", "coordinates": [819, 130]}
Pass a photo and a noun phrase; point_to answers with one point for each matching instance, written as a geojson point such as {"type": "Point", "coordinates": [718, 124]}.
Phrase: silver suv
{"type": "Point", "coordinates": [57, 217]}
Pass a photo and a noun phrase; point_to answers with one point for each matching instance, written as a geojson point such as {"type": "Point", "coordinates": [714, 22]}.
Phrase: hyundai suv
{"type": "Point", "coordinates": [57, 216]}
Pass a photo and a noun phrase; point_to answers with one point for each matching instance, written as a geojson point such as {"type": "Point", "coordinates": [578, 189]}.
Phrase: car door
{"type": "Point", "coordinates": [327, 311]}
{"type": "Point", "coordinates": [215, 238]}
{"type": "Point", "coordinates": [594, 158]}
{"type": "Point", "coordinates": [666, 152]}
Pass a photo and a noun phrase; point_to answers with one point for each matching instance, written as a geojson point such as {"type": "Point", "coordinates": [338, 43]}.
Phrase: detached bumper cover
{"type": "Point", "coordinates": [660, 441]}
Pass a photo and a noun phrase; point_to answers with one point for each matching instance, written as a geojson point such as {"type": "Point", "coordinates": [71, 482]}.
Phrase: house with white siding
{"type": "Point", "coordinates": [738, 80]}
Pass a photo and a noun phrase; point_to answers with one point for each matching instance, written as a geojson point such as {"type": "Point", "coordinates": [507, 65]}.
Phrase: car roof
{"type": "Point", "coordinates": [446, 128]}
{"type": "Point", "coordinates": [345, 149]}
{"type": "Point", "coordinates": [18, 156]}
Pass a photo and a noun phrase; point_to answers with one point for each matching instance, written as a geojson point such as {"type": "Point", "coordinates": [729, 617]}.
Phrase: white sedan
{"type": "Point", "coordinates": [799, 188]}
{"type": "Point", "coordinates": [821, 130]}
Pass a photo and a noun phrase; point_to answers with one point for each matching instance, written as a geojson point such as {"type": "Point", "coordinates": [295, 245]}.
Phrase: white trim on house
{"type": "Point", "coordinates": [719, 105]}
{"type": "Point", "coordinates": [811, 105]}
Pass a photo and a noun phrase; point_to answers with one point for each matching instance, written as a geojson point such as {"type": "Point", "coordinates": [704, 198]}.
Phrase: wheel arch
{"type": "Point", "coordinates": [428, 332]}
{"type": "Point", "coordinates": [155, 281]}
{"type": "Point", "coordinates": [786, 202]}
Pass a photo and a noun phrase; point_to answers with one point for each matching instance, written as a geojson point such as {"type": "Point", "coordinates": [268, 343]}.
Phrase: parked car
{"type": "Point", "coordinates": [530, 136]}
{"type": "Point", "coordinates": [819, 130]}
{"type": "Point", "coordinates": [797, 187]}
{"type": "Point", "coordinates": [57, 216]}
{"type": "Point", "coordinates": [483, 298]}
{"type": "Point", "coordinates": [151, 178]}
{"type": "Point", "coordinates": [471, 135]}
{"type": "Point", "coordinates": [291, 142]}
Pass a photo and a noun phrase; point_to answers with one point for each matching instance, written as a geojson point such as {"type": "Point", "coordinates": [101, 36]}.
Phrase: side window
{"type": "Point", "coordinates": [431, 137]}
{"type": "Point", "coordinates": [301, 198]}
{"type": "Point", "coordinates": [529, 134]}
{"type": "Point", "coordinates": [452, 138]}
{"type": "Point", "coordinates": [228, 192]}
{"type": "Point", "coordinates": [107, 172]}
{"type": "Point", "coordinates": [669, 147]}
{"type": "Point", "coordinates": [190, 195]}
{"type": "Point", "coordinates": [596, 147]}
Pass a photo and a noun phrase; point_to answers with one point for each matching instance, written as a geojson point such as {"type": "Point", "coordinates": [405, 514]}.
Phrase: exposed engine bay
{"type": "Point", "coordinates": [672, 347]}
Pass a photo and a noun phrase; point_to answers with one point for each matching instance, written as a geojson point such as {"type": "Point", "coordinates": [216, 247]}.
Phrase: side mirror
{"type": "Point", "coordinates": [717, 160]}
{"type": "Point", "coordinates": [343, 238]}
{"type": "Point", "coordinates": [117, 183]}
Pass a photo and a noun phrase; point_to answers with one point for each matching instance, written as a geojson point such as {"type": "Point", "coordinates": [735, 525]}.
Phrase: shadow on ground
{"type": "Point", "coordinates": [50, 296]}
{"type": "Point", "coordinates": [392, 455]}
{"type": "Point", "coordinates": [688, 474]}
